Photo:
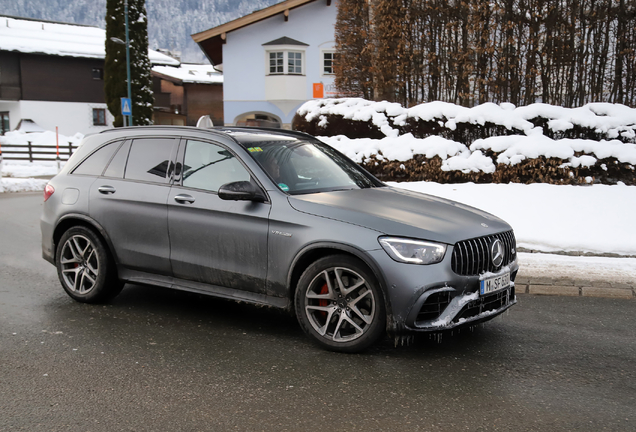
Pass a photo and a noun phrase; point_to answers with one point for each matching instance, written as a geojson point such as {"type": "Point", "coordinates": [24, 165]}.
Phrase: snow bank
{"type": "Point", "coordinates": [40, 138]}
{"type": "Point", "coordinates": [22, 185]}
{"type": "Point", "coordinates": [46, 138]}
{"type": "Point", "coordinates": [549, 218]}
{"type": "Point", "coordinates": [25, 169]}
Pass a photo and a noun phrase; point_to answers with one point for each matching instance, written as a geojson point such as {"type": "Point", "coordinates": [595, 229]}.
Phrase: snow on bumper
{"type": "Point", "coordinates": [469, 309]}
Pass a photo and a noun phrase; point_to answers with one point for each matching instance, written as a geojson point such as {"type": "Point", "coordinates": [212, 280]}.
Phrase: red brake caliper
{"type": "Point", "coordinates": [324, 290]}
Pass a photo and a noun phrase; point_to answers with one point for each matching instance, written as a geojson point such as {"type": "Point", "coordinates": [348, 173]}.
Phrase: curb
{"type": "Point", "coordinates": [576, 253]}
{"type": "Point", "coordinates": [573, 288]}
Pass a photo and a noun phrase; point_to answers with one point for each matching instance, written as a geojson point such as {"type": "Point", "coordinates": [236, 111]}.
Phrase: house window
{"type": "Point", "coordinates": [295, 63]}
{"type": "Point", "coordinates": [98, 73]}
{"type": "Point", "coordinates": [99, 117]}
{"type": "Point", "coordinates": [278, 60]}
{"type": "Point", "coordinates": [328, 60]}
{"type": "Point", "coordinates": [4, 122]}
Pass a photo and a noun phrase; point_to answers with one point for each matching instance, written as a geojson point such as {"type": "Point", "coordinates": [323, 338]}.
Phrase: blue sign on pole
{"type": "Point", "coordinates": [126, 107]}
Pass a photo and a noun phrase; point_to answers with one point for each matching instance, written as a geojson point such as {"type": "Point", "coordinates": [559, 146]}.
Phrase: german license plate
{"type": "Point", "coordinates": [495, 283]}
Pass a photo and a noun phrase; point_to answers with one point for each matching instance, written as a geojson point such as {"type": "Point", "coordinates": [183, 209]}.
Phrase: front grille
{"type": "Point", "coordinates": [486, 303]}
{"type": "Point", "coordinates": [434, 306]}
{"type": "Point", "coordinates": [472, 257]}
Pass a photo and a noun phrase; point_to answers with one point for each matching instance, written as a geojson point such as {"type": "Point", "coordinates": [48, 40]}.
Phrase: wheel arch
{"type": "Point", "coordinates": [70, 220]}
{"type": "Point", "coordinates": [316, 251]}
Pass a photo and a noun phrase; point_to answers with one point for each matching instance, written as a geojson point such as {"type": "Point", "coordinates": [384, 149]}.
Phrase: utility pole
{"type": "Point", "coordinates": [130, 118]}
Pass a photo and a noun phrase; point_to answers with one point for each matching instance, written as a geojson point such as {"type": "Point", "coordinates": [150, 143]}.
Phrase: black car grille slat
{"type": "Point", "coordinates": [471, 260]}
{"type": "Point", "coordinates": [487, 303]}
{"type": "Point", "coordinates": [434, 306]}
{"type": "Point", "coordinates": [472, 257]}
{"type": "Point", "coordinates": [484, 253]}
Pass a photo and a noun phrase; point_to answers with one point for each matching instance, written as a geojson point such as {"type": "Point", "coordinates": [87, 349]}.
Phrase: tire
{"type": "Point", "coordinates": [339, 304]}
{"type": "Point", "coordinates": [85, 268]}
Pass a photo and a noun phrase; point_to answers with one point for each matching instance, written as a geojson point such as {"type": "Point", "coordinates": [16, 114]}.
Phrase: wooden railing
{"type": "Point", "coordinates": [32, 152]}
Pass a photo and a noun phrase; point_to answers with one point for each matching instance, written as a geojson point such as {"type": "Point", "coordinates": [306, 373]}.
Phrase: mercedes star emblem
{"type": "Point", "coordinates": [496, 253]}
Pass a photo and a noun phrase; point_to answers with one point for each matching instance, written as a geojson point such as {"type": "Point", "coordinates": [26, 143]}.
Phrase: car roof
{"type": "Point", "coordinates": [243, 135]}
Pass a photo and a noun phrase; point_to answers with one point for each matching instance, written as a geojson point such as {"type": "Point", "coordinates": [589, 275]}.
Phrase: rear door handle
{"type": "Point", "coordinates": [184, 199]}
{"type": "Point", "coordinates": [106, 190]}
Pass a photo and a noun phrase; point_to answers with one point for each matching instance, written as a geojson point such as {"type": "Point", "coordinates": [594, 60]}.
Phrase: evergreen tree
{"type": "Point", "coordinates": [115, 86]}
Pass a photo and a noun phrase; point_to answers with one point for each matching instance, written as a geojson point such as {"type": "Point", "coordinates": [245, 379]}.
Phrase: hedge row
{"type": "Point", "coordinates": [464, 132]}
{"type": "Point", "coordinates": [331, 118]}
{"type": "Point", "coordinates": [539, 170]}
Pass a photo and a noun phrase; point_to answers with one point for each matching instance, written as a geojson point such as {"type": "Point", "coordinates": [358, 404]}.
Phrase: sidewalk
{"type": "Point", "coordinates": [587, 276]}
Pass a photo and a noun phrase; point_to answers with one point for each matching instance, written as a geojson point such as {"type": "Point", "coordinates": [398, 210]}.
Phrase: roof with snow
{"type": "Point", "coordinates": [62, 39]}
{"type": "Point", "coordinates": [190, 73]}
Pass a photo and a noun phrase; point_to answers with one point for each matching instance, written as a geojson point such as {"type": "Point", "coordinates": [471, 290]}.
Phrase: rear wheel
{"type": "Point", "coordinates": [339, 303]}
{"type": "Point", "coordinates": [85, 268]}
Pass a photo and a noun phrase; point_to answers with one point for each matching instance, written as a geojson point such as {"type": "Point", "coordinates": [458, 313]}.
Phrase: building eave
{"type": "Point", "coordinates": [211, 41]}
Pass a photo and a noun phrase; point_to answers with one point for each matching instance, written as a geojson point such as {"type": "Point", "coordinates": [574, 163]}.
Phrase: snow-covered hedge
{"type": "Point", "coordinates": [488, 143]}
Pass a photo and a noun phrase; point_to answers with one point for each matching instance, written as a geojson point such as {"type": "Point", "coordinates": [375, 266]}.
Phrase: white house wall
{"type": "Point", "coordinates": [244, 64]}
{"type": "Point", "coordinates": [69, 117]}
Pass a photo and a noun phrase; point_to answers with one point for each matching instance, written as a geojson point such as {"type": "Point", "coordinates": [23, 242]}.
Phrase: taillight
{"type": "Point", "coordinates": [48, 191]}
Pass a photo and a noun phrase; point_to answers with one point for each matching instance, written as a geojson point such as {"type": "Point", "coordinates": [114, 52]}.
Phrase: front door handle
{"type": "Point", "coordinates": [184, 199]}
{"type": "Point", "coordinates": [106, 190]}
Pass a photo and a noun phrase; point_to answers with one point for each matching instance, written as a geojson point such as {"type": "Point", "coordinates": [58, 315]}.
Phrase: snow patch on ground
{"type": "Point", "coordinates": [621, 270]}
{"type": "Point", "coordinates": [20, 169]}
{"type": "Point", "coordinates": [22, 185]}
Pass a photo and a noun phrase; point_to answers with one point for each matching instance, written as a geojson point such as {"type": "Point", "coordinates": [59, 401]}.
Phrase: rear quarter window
{"type": "Point", "coordinates": [97, 161]}
{"type": "Point", "coordinates": [117, 165]}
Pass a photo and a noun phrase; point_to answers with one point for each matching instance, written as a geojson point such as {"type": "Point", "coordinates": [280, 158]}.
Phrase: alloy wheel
{"type": "Point", "coordinates": [340, 304]}
{"type": "Point", "coordinates": [80, 264]}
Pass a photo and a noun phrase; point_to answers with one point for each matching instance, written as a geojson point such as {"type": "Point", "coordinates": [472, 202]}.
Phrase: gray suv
{"type": "Point", "coordinates": [275, 218]}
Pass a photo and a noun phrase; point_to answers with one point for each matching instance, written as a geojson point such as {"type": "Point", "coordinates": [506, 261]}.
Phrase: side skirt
{"type": "Point", "coordinates": [134, 276]}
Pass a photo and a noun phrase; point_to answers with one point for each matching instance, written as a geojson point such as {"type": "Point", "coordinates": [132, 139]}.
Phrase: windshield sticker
{"type": "Point", "coordinates": [284, 187]}
{"type": "Point", "coordinates": [254, 149]}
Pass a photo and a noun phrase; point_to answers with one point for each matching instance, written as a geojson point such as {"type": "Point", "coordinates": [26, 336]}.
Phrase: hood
{"type": "Point", "coordinates": [398, 212]}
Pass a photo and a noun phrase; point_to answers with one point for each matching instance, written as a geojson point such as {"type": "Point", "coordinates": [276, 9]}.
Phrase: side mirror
{"type": "Point", "coordinates": [241, 191]}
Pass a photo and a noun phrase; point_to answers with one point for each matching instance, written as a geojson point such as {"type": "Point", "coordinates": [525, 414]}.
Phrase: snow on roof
{"type": "Point", "coordinates": [191, 73]}
{"type": "Point", "coordinates": [46, 37]}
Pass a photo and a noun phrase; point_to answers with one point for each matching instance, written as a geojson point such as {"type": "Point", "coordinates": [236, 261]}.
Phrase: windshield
{"type": "Point", "coordinates": [300, 167]}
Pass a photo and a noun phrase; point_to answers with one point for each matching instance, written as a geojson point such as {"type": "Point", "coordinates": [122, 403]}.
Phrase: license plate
{"type": "Point", "coordinates": [494, 283]}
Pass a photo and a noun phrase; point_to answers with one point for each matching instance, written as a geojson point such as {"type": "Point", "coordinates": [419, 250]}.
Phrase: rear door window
{"type": "Point", "coordinates": [151, 160]}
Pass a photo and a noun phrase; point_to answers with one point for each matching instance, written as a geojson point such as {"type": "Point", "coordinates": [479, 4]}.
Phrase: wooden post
{"type": "Point", "coordinates": [30, 151]}
{"type": "Point", "coordinates": [57, 149]}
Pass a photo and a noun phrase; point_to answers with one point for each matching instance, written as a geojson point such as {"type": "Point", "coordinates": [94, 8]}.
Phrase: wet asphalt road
{"type": "Point", "coordinates": [161, 360]}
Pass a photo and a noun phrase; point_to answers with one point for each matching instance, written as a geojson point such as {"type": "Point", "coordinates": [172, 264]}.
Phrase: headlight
{"type": "Point", "coordinates": [413, 251]}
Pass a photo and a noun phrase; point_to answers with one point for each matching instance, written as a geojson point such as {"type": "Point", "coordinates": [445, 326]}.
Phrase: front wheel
{"type": "Point", "coordinates": [340, 305]}
{"type": "Point", "coordinates": [84, 266]}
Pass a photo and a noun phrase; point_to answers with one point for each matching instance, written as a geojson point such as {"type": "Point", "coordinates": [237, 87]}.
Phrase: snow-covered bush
{"type": "Point", "coordinates": [443, 142]}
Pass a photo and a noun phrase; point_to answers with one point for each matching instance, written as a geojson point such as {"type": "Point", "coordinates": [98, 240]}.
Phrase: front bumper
{"type": "Point", "coordinates": [462, 310]}
{"type": "Point", "coordinates": [433, 298]}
